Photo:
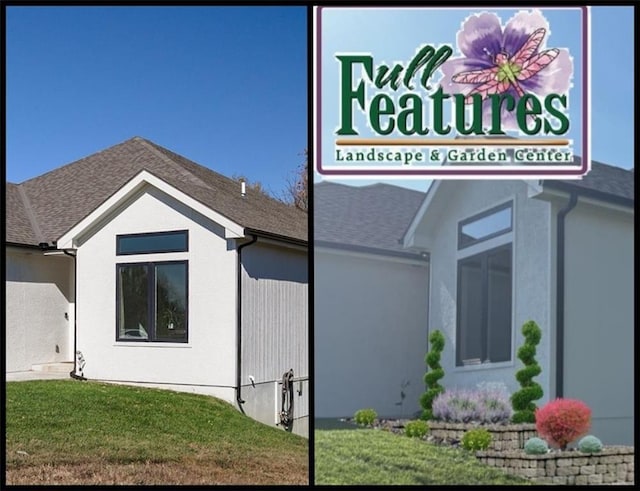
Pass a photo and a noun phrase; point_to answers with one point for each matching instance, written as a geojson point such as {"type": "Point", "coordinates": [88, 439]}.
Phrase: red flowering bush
{"type": "Point", "coordinates": [562, 421]}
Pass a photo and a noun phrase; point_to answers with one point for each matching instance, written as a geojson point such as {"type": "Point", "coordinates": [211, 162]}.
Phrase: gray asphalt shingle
{"type": "Point", "coordinates": [62, 197]}
{"type": "Point", "coordinates": [372, 216]}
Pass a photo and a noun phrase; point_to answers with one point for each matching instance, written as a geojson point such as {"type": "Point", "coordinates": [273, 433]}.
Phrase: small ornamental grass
{"type": "Point", "coordinates": [476, 439]}
{"type": "Point", "coordinates": [562, 421]}
{"type": "Point", "coordinates": [485, 405]}
{"type": "Point", "coordinates": [365, 417]}
{"type": "Point", "coordinates": [416, 429]}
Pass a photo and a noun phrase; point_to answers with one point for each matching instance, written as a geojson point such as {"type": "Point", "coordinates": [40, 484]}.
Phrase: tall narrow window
{"type": "Point", "coordinates": [152, 302]}
{"type": "Point", "coordinates": [484, 307]}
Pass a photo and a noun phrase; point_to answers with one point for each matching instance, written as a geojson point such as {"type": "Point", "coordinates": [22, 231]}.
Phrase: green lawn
{"type": "Point", "coordinates": [100, 433]}
{"type": "Point", "coordinates": [366, 456]}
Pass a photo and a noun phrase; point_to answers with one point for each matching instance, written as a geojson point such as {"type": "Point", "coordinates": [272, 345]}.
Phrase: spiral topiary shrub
{"type": "Point", "coordinates": [436, 341]}
{"type": "Point", "coordinates": [562, 421]}
{"type": "Point", "coordinates": [590, 444]}
{"type": "Point", "coordinates": [522, 400]}
{"type": "Point", "coordinates": [476, 439]}
{"type": "Point", "coordinates": [535, 446]}
{"type": "Point", "coordinates": [416, 429]}
{"type": "Point", "coordinates": [365, 417]}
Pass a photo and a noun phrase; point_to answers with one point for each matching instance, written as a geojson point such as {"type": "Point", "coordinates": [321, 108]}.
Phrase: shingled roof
{"type": "Point", "coordinates": [42, 209]}
{"type": "Point", "coordinates": [604, 182]}
{"type": "Point", "coordinates": [369, 218]}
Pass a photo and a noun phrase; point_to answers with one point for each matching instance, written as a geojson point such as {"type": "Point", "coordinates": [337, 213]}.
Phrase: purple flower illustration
{"type": "Point", "coordinates": [483, 41]}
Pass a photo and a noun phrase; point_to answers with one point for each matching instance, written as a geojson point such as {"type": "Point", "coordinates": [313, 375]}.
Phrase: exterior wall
{"type": "Point", "coordinates": [531, 281]}
{"type": "Point", "coordinates": [370, 334]}
{"type": "Point", "coordinates": [599, 324]}
{"type": "Point", "coordinates": [206, 364]}
{"type": "Point", "coordinates": [39, 294]}
{"type": "Point", "coordinates": [275, 337]}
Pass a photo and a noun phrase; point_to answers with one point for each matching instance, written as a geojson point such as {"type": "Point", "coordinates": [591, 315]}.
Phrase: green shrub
{"type": "Point", "coordinates": [416, 429]}
{"type": "Point", "coordinates": [476, 439]}
{"type": "Point", "coordinates": [522, 400]}
{"type": "Point", "coordinates": [590, 444]}
{"type": "Point", "coordinates": [436, 341]}
{"type": "Point", "coordinates": [365, 417]}
{"type": "Point", "coordinates": [536, 446]}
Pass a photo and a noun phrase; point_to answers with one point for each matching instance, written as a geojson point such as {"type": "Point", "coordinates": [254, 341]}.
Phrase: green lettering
{"type": "Point", "coordinates": [347, 92]}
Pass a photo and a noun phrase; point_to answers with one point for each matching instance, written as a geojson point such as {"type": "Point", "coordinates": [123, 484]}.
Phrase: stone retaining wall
{"type": "Point", "coordinates": [503, 437]}
{"type": "Point", "coordinates": [611, 465]}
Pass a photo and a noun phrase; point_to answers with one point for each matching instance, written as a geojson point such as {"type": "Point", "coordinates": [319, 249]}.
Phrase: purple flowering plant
{"type": "Point", "coordinates": [484, 43]}
{"type": "Point", "coordinates": [486, 405]}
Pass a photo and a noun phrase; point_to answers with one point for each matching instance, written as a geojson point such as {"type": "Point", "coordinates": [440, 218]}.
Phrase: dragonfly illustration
{"type": "Point", "coordinates": [509, 71]}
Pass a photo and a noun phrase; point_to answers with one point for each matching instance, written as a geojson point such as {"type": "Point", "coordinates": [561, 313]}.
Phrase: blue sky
{"type": "Point", "coordinates": [223, 86]}
{"type": "Point", "coordinates": [612, 93]}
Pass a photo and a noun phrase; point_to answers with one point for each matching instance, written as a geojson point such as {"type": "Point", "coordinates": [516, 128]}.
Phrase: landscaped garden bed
{"type": "Point", "coordinates": [503, 437]}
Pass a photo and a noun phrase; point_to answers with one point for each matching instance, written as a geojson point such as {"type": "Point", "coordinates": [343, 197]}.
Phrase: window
{"type": "Point", "coordinates": [484, 307]}
{"type": "Point", "coordinates": [152, 301]}
{"type": "Point", "coordinates": [486, 225]}
{"type": "Point", "coordinates": [152, 243]}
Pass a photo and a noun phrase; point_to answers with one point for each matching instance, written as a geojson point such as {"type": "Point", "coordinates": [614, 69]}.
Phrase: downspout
{"type": "Point", "coordinates": [560, 270]}
{"type": "Point", "coordinates": [239, 399]}
{"type": "Point", "coordinates": [72, 373]}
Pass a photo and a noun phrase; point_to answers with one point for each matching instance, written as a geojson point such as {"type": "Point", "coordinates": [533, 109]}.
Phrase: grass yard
{"type": "Point", "coordinates": [71, 432]}
{"type": "Point", "coordinates": [364, 456]}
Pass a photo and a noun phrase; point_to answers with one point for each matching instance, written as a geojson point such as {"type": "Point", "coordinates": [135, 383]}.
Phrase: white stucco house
{"type": "Point", "coordinates": [139, 266]}
{"type": "Point", "coordinates": [370, 301]}
{"type": "Point", "coordinates": [559, 252]}
{"type": "Point", "coordinates": [500, 253]}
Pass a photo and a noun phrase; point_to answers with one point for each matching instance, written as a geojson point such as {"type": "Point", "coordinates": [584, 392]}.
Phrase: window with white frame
{"type": "Point", "coordinates": [484, 303]}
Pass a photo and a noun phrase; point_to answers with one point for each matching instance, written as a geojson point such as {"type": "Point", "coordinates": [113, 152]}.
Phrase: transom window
{"type": "Point", "coordinates": [177, 241]}
{"type": "Point", "coordinates": [151, 301]}
{"type": "Point", "coordinates": [484, 307]}
{"type": "Point", "coordinates": [485, 225]}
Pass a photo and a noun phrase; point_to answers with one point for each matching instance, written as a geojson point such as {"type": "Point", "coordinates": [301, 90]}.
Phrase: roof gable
{"type": "Point", "coordinates": [144, 178]}
{"type": "Point", "coordinates": [62, 198]}
{"type": "Point", "coordinates": [604, 183]}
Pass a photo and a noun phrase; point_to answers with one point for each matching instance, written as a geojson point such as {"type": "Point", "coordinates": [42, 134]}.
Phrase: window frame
{"type": "Point", "coordinates": [151, 251]}
{"type": "Point", "coordinates": [507, 205]}
{"type": "Point", "coordinates": [483, 255]}
{"type": "Point", "coordinates": [151, 302]}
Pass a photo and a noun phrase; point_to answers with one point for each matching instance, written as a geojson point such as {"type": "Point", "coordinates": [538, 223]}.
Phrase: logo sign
{"type": "Point", "coordinates": [451, 92]}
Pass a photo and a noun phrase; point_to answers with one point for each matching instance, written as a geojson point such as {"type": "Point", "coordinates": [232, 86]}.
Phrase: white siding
{"type": "Point", "coordinates": [599, 327]}
{"type": "Point", "coordinates": [370, 333]}
{"type": "Point", "coordinates": [455, 201]}
{"type": "Point", "coordinates": [275, 337]}
{"type": "Point", "coordinates": [206, 363]}
{"type": "Point", "coordinates": [39, 294]}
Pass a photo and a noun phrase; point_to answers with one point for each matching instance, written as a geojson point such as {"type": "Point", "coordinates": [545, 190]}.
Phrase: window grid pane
{"type": "Point", "coordinates": [152, 302]}
{"type": "Point", "coordinates": [152, 243]}
{"type": "Point", "coordinates": [484, 307]}
{"type": "Point", "coordinates": [484, 226]}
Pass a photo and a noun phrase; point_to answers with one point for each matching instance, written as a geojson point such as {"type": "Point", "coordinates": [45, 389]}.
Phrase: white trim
{"type": "Point", "coordinates": [372, 256]}
{"type": "Point", "coordinates": [409, 237]}
{"type": "Point", "coordinates": [547, 194]}
{"type": "Point", "coordinates": [69, 240]}
{"type": "Point", "coordinates": [483, 366]}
